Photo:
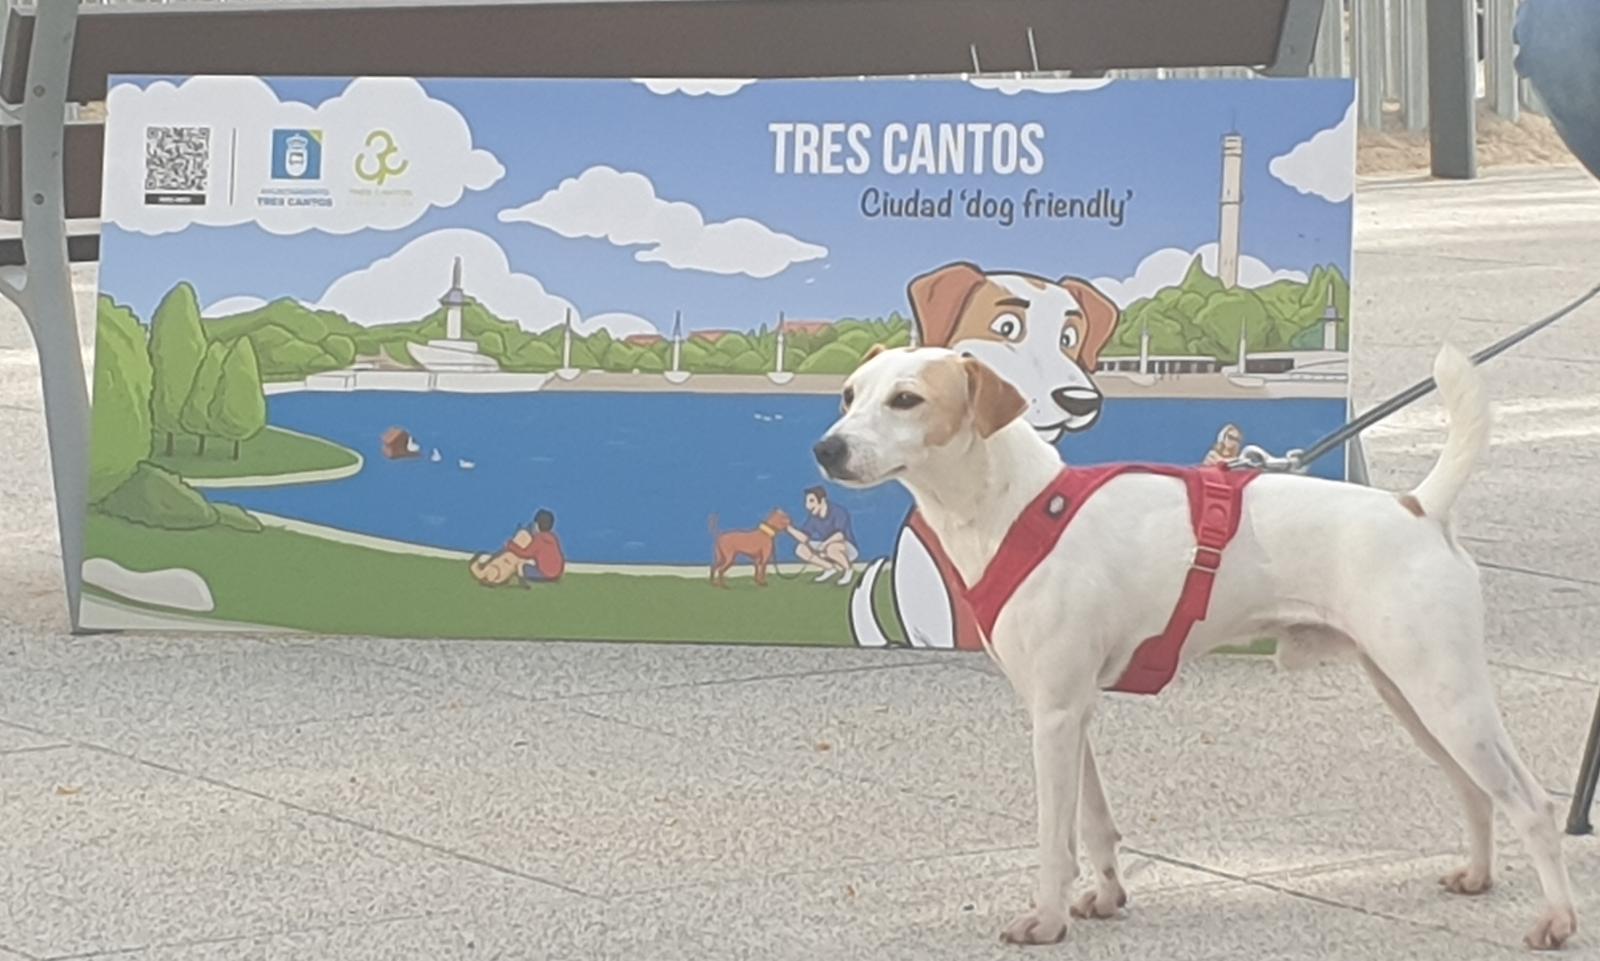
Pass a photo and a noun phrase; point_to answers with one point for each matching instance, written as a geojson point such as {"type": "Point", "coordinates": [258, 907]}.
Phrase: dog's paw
{"type": "Point", "coordinates": [1553, 929]}
{"type": "Point", "coordinates": [1035, 927]}
{"type": "Point", "coordinates": [1468, 880]}
{"type": "Point", "coordinates": [1098, 904]}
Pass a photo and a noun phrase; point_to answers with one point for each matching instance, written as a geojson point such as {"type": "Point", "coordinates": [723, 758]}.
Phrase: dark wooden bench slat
{"type": "Point", "coordinates": [82, 152]}
{"type": "Point", "coordinates": [652, 38]}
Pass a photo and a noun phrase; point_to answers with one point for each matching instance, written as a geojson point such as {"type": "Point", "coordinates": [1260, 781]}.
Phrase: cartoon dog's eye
{"type": "Point", "coordinates": [1070, 337]}
{"type": "Point", "coordinates": [904, 400]}
{"type": "Point", "coordinates": [1008, 326]}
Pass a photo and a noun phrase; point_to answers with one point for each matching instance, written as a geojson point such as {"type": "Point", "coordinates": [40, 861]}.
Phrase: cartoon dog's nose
{"type": "Point", "coordinates": [831, 452]}
{"type": "Point", "coordinates": [1076, 401]}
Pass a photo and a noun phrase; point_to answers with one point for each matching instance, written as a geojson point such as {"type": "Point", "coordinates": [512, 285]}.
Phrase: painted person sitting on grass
{"type": "Point", "coordinates": [532, 556]}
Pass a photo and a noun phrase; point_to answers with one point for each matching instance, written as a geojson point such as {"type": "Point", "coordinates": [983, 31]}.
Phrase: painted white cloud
{"type": "Point", "coordinates": [617, 323]}
{"type": "Point", "coordinates": [407, 284]}
{"type": "Point", "coordinates": [1167, 267]}
{"type": "Point", "coordinates": [623, 208]}
{"type": "Point", "coordinates": [228, 306]}
{"type": "Point", "coordinates": [430, 137]}
{"type": "Point", "coordinates": [1323, 165]}
{"type": "Point", "coordinates": [695, 88]}
{"type": "Point", "coordinates": [1011, 86]}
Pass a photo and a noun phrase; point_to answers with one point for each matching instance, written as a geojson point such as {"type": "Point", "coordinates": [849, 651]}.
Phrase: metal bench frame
{"type": "Point", "coordinates": [55, 53]}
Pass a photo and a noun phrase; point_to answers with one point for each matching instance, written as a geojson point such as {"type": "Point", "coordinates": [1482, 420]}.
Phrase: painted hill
{"type": "Point", "coordinates": [292, 341]}
{"type": "Point", "coordinates": [1199, 317]}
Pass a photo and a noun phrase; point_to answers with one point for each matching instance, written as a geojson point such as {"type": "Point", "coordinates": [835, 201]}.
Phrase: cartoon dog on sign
{"type": "Point", "coordinates": [1045, 337]}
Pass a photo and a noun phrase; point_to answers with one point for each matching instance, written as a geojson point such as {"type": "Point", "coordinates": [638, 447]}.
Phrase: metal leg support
{"type": "Point", "coordinates": [42, 290]}
{"type": "Point", "coordinates": [1588, 773]}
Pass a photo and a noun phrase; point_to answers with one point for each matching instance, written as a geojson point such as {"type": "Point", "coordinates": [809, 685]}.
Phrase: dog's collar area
{"type": "Point", "coordinates": [767, 529]}
{"type": "Point", "coordinates": [1215, 497]}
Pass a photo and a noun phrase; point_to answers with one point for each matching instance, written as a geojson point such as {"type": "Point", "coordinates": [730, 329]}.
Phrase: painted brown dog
{"type": "Point", "coordinates": [759, 545]}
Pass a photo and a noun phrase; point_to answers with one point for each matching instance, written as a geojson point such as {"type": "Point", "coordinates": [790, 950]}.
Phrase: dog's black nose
{"type": "Point", "coordinates": [1076, 401]}
{"type": "Point", "coordinates": [831, 453]}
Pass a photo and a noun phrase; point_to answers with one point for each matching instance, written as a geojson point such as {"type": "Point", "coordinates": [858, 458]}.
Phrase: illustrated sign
{"type": "Point", "coordinates": [546, 359]}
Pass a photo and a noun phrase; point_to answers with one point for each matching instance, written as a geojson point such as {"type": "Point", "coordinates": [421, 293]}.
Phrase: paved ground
{"type": "Point", "coordinates": [239, 797]}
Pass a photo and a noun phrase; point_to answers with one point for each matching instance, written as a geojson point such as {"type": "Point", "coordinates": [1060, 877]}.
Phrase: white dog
{"type": "Point", "coordinates": [1325, 567]}
{"type": "Point", "coordinates": [1044, 336]}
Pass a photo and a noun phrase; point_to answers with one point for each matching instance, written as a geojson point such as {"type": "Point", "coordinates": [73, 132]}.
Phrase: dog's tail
{"type": "Point", "coordinates": [1466, 404]}
{"type": "Point", "coordinates": [711, 525]}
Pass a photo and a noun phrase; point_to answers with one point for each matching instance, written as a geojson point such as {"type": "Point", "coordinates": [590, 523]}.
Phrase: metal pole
{"type": "Point", "coordinates": [1367, 28]}
{"type": "Point", "coordinates": [1588, 772]}
{"type": "Point", "coordinates": [1499, 51]}
{"type": "Point", "coordinates": [1414, 41]}
{"type": "Point", "coordinates": [45, 294]}
{"type": "Point", "coordinates": [1452, 88]}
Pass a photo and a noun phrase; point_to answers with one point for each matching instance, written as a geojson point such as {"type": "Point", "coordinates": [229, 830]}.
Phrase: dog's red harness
{"type": "Point", "coordinates": [1215, 496]}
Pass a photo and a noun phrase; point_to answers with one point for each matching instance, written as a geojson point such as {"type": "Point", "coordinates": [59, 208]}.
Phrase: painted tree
{"type": "Point", "coordinates": [177, 346]}
{"type": "Point", "coordinates": [121, 417]}
{"type": "Point", "coordinates": [196, 416]}
{"type": "Point", "coordinates": [239, 410]}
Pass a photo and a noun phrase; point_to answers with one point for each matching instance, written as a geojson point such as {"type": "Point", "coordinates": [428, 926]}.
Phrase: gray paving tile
{"type": "Point", "coordinates": [601, 806]}
{"type": "Point", "coordinates": [101, 853]}
{"type": "Point", "coordinates": [124, 703]}
{"type": "Point", "coordinates": [27, 650]}
{"type": "Point", "coordinates": [549, 670]}
{"type": "Point", "coordinates": [1409, 889]}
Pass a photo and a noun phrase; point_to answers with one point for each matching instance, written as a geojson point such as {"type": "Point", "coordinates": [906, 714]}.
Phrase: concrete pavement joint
{"type": "Point", "coordinates": [1548, 575]}
{"type": "Point", "coordinates": [314, 812]}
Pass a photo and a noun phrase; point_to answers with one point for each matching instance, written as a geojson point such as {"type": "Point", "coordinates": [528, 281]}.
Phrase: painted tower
{"type": "Point", "coordinates": [453, 300]}
{"type": "Point", "coordinates": [1232, 200]}
{"type": "Point", "coordinates": [1330, 322]}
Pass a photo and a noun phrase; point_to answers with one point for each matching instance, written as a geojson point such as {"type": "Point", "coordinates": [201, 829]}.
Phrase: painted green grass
{"type": "Point", "coordinates": [272, 451]}
{"type": "Point", "coordinates": [285, 579]}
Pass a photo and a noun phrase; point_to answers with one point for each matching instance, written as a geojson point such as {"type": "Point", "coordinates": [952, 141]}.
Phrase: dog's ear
{"type": "Point", "coordinates": [1100, 314]}
{"type": "Point", "coordinates": [872, 352]}
{"type": "Point", "coordinates": [993, 400]}
{"type": "Point", "coordinates": [937, 300]}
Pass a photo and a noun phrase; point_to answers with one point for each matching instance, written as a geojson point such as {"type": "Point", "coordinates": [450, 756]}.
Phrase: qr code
{"type": "Point", "coordinates": [177, 164]}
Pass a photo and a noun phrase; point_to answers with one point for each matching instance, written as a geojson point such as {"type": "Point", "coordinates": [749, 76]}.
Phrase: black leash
{"type": "Point", "coordinates": [1299, 460]}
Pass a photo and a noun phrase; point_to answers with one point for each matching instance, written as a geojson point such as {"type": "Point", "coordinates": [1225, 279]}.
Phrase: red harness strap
{"type": "Point", "coordinates": [1215, 496]}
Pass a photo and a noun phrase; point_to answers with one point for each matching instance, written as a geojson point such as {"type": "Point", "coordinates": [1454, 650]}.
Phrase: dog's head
{"type": "Point", "coordinates": [1044, 336]}
{"type": "Point", "coordinates": [779, 520]}
{"type": "Point", "coordinates": [906, 412]}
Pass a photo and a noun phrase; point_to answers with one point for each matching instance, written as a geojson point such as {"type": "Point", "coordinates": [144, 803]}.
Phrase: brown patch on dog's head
{"type": "Point", "coordinates": [992, 399]}
{"type": "Point", "coordinates": [1410, 503]}
{"type": "Point", "coordinates": [938, 300]}
{"type": "Point", "coordinates": [943, 386]}
{"type": "Point", "coordinates": [1099, 321]}
{"type": "Point", "coordinates": [779, 520]}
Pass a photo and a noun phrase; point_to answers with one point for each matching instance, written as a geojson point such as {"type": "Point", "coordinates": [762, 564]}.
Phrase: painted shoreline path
{"type": "Point", "coordinates": [392, 546]}
{"type": "Point", "coordinates": [1112, 384]}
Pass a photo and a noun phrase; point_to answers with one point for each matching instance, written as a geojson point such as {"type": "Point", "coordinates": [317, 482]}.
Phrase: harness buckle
{"type": "Point", "coordinates": [1207, 559]}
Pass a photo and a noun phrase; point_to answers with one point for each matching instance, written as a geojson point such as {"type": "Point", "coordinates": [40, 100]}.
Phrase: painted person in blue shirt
{"type": "Point", "coordinates": [826, 541]}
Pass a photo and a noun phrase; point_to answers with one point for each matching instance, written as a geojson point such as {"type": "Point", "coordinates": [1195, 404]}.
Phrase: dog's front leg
{"type": "Point", "coordinates": [1100, 837]}
{"type": "Point", "coordinates": [1058, 741]}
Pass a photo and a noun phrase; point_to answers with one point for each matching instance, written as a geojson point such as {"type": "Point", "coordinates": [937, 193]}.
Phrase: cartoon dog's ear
{"type": "Point", "coordinates": [1101, 315]}
{"type": "Point", "coordinates": [993, 400]}
{"type": "Point", "coordinates": [938, 298]}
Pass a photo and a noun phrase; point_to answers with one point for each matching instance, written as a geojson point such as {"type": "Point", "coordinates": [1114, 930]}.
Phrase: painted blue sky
{"type": "Point", "coordinates": [1159, 139]}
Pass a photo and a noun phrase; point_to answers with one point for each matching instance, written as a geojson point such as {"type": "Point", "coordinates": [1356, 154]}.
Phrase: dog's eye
{"type": "Point", "coordinates": [846, 398]}
{"type": "Point", "coordinates": [1070, 337]}
{"type": "Point", "coordinates": [1008, 326]}
{"type": "Point", "coordinates": [905, 400]}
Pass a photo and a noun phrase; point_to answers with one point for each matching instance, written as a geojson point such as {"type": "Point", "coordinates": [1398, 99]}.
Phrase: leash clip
{"type": "Point", "coordinates": [1256, 458]}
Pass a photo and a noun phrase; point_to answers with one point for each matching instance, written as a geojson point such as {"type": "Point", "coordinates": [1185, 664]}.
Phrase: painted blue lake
{"type": "Point", "coordinates": [632, 478]}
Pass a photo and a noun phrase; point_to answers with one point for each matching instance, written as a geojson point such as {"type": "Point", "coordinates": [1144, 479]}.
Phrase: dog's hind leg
{"type": "Point", "coordinates": [1477, 876]}
{"type": "Point", "coordinates": [1100, 837]}
{"type": "Point", "coordinates": [1447, 684]}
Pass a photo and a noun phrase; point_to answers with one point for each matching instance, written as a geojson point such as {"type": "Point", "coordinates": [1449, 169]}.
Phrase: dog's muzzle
{"type": "Point", "coordinates": [1078, 402]}
{"type": "Point", "coordinates": [832, 452]}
